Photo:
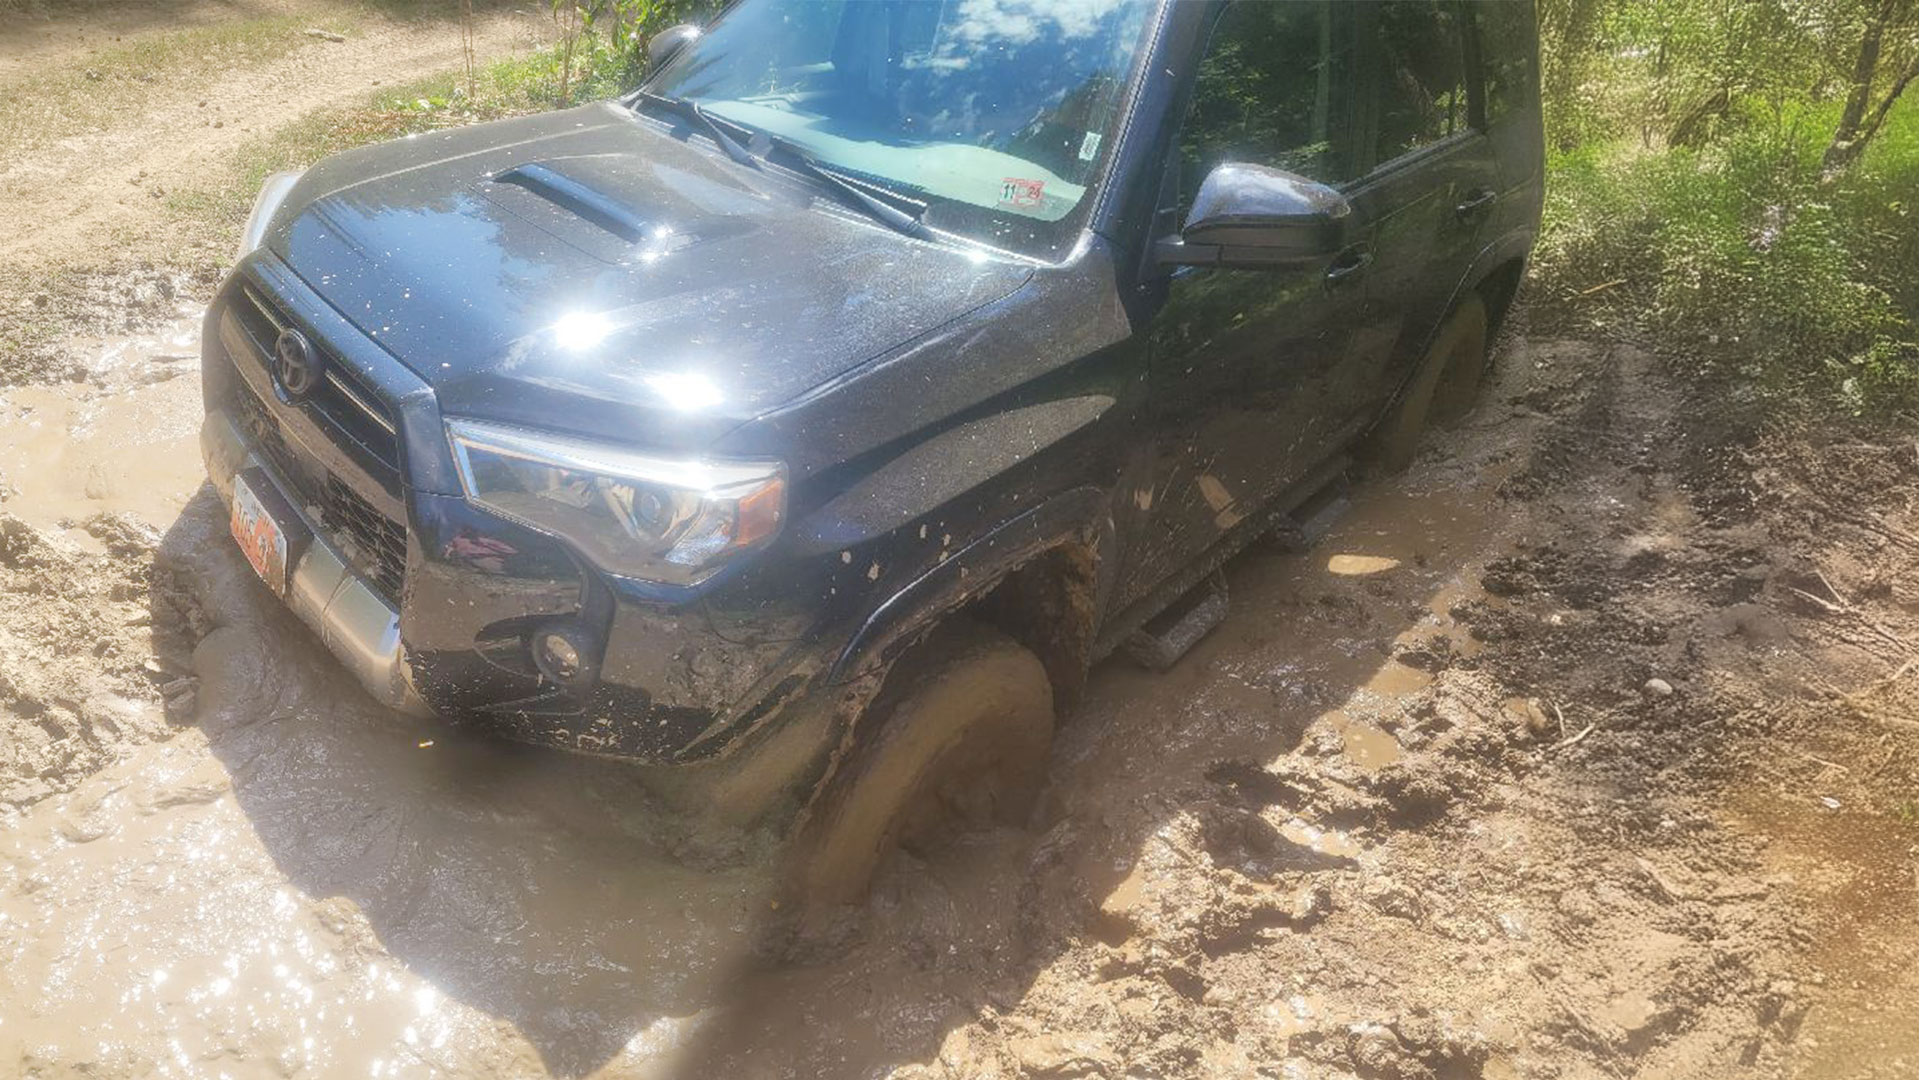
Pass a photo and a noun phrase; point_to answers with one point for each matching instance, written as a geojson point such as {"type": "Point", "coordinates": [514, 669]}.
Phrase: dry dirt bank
{"type": "Point", "coordinates": [118, 122]}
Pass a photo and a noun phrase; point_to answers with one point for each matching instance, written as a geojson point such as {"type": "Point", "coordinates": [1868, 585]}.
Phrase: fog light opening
{"type": "Point", "coordinates": [564, 653]}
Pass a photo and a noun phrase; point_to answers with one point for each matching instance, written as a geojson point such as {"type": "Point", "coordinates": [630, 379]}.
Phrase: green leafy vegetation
{"type": "Point", "coordinates": [1740, 180]}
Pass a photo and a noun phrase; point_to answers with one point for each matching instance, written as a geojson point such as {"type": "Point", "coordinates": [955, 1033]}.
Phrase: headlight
{"type": "Point", "coordinates": [636, 515]}
{"type": "Point", "coordinates": [272, 193]}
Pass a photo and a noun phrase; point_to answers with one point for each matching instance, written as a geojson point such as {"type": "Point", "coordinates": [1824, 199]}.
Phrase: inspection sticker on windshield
{"type": "Point", "coordinates": [1089, 146]}
{"type": "Point", "coordinates": [1021, 194]}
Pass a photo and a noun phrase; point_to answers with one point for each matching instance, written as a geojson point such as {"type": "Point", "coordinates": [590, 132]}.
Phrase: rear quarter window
{"type": "Point", "coordinates": [1505, 29]}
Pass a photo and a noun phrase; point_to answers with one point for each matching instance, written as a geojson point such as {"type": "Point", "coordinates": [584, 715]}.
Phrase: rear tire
{"type": "Point", "coordinates": [1442, 391]}
{"type": "Point", "coordinates": [957, 740]}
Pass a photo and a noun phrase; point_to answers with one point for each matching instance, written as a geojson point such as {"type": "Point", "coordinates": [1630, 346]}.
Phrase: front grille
{"type": "Point", "coordinates": [341, 398]}
{"type": "Point", "coordinates": [263, 431]}
{"type": "Point", "coordinates": [374, 544]}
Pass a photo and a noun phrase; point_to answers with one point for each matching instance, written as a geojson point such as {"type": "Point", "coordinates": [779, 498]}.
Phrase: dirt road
{"type": "Point", "coordinates": [1584, 749]}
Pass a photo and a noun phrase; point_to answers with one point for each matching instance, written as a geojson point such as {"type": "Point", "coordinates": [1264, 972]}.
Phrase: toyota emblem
{"type": "Point", "coordinates": [295, 367]}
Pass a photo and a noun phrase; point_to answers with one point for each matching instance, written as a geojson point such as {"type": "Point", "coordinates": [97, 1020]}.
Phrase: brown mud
{"type": "Point", "coordinates": [1418, 809]}
{"type": "Point", "coordinates": [1585, 749]}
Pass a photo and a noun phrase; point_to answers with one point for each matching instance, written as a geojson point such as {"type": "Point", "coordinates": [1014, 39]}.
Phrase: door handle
{"type": "Point", "coordinates": [1478, 203]}
{"type": "Point", "coordinates": [1348, 266]}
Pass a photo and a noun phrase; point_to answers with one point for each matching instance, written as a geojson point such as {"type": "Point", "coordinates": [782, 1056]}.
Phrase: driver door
{"type": "Point", "coordinates": [1254, 372]}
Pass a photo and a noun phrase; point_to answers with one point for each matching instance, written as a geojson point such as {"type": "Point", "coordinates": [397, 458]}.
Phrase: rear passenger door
{"type": "Point", "coordinates": [1431, 179]}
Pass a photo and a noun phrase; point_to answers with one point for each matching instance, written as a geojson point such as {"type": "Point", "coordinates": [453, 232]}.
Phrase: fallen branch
{"type": "Point", "coordinates": [1827, 606]}
{"type": "Point", "coordinates": [324, 35]}
{"type": "Point", "coordinates": [1835, 593]}
{"type": "Point", "coordinates": [1821, 761]}
{"type": "Point", "coordinates": [1569, 741]}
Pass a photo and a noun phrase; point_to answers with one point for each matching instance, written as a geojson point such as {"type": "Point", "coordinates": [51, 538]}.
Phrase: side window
{"type": "Point", "coordinates": [1273, 89]}
{"type": "Point", "coordinates": [1505, 34]}
{"type": "Point", "coordinates": [1418, 79]}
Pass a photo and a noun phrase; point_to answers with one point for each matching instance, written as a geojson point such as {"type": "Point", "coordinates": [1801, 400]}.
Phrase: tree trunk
{"type": "Point", "coordinates": [1851, 135]}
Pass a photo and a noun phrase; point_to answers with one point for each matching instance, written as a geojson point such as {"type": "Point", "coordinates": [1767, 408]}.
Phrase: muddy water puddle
{"type": "Point", "coordinates": [124, 440]}
{"type": "Point", "coordinates": [306, 885]}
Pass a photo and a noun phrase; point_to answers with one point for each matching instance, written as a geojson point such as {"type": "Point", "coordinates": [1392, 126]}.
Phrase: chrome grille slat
{"type": "Point", "coordinates": [371, 412]}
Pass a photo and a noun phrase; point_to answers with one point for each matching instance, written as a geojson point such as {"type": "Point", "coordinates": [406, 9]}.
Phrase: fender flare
{"type": "Point", "coordinates": [1517, 244]}
{"type": "Point", "coordinates": [1077, 516]}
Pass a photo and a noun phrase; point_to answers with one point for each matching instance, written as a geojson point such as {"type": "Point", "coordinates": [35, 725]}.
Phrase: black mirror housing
{"type": "Point", "coordinates": [1255, 216]}
{"type": "Point", "coordinates": [662, 46]}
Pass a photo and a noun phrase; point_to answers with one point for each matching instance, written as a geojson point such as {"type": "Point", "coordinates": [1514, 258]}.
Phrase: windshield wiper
{"type": "Point", "coordinates": [691, 109]}
{"type": "Point", "coordinates": [886, 212]}
{"type": "Point", "coordinates": [889, 214]}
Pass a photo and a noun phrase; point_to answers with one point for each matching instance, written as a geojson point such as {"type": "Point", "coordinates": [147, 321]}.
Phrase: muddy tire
{"type": "Point", "coordinates": [1442, 390]}
{"type": "Point", "coordinates": [957, 740]}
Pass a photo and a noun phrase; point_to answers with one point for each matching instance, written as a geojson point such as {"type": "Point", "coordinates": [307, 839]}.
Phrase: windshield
{"type": "Point", "coordinates": [996, 113]}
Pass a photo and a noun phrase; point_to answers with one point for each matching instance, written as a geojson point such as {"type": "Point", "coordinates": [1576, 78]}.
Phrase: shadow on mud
{"type": "Point", "coordinates": [536, 887]}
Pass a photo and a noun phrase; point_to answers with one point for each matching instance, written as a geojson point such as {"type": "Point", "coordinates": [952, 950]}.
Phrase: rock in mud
{"type": "Point", "coordinates": [1658, 688]}
{"type": "Point", "coordinates": [1376, 1051]}
{"type": "Point", "coordinates": [1529, 715]}
{"type": "Point", "coordinates": [1063, 1056]}
{"type": "Point", "coordinates": [1389, 897]}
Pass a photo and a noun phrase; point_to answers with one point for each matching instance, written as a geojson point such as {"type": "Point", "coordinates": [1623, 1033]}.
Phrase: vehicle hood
{"type": "Point", "coordinates": [590, 271]}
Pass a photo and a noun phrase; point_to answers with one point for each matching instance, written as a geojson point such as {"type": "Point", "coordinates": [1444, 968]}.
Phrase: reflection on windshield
{"type": "Point", "coordinates": [995, 111]}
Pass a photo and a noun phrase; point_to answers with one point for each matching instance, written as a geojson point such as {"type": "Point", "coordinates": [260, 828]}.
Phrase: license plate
{"type": "Point", "coordinates": [261, 538]}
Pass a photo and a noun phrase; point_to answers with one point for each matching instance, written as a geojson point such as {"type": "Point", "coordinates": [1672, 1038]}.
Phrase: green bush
{"type": "Point", "coordinates": [1741, 255]}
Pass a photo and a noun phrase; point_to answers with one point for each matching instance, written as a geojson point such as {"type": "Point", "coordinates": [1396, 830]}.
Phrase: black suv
{"type": "Point", "coordinates": [810, 419]}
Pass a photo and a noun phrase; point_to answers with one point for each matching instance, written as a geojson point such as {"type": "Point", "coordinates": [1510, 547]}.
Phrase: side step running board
{"type": "Point", "coordinates": [1310, 522]}
{"type": "Point", "coordinates": [1199, 593]}
{"type": "Point", "coordinates": [1169, 635]}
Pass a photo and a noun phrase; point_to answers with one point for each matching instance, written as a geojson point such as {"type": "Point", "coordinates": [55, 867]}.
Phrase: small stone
{"type": "Point", "coordinates": [1529, 715]}
{"type": "Point", "coordinates": [1579, 906]}
{"type": "Point", "coordinates": [1514, 926]}
{"type": "Point", "coordinates": [1389, 897]}
{"type": "Point", "coordinates": [1063, 1055]}
{"type": "Point", "coordinates": [1658, 688]}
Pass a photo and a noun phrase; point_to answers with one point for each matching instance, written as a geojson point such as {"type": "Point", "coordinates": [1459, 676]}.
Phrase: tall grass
{"type": "Point", "coordinates": [1801, 292]}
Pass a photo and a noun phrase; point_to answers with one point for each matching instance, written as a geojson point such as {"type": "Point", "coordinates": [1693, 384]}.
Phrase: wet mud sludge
{"type": "Point", "coordinates": [1411, 811]}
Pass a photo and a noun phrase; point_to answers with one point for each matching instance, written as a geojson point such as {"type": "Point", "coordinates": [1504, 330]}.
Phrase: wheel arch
{"type": "Point", "coordinates": [1034, 578]}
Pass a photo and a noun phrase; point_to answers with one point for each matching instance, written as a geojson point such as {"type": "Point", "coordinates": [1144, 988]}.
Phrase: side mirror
{"type": "Point", "coordinates": [662, 46]}
{"type": "Point", "coordinates": [1257, 217]}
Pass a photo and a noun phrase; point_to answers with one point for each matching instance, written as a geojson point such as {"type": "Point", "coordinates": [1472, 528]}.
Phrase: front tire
{"type": "Point", "coordinates": [1442, 391]}
{"type": "Point", "coordinates": [956, 740]}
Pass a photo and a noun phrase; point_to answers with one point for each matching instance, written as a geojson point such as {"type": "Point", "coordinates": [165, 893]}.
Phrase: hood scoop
{"type": "Point", "coordinates": [583, 199]}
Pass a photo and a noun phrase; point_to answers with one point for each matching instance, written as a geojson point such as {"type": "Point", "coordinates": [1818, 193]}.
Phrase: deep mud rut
{"type": "Point", "coordinates": [1418, 809]}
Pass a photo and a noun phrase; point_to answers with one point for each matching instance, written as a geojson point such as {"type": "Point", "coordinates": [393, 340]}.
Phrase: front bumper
{"type": "Point", "coordinates": [352, 619]}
